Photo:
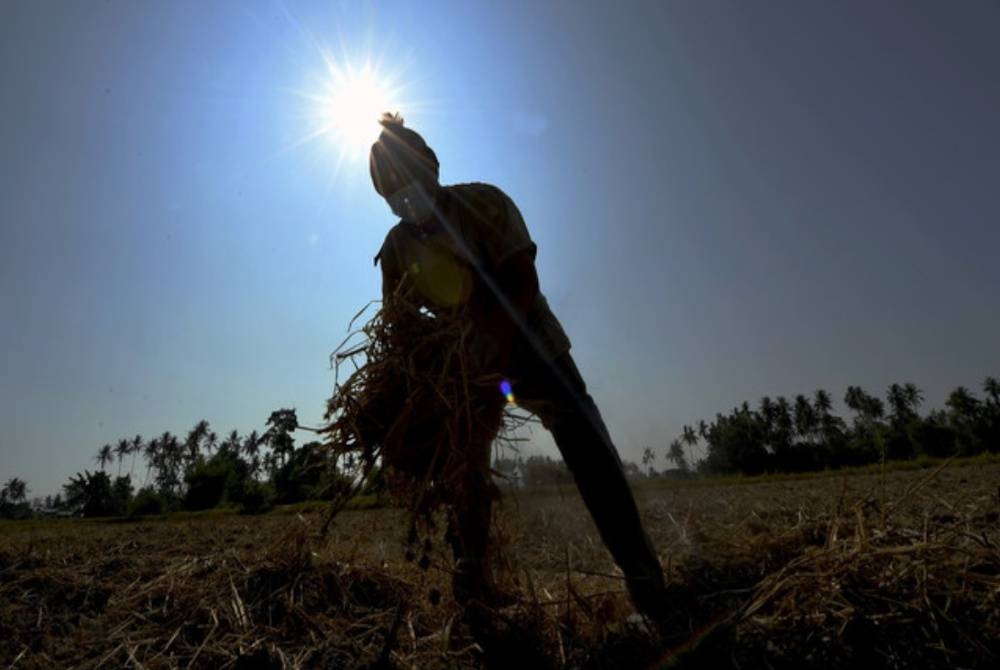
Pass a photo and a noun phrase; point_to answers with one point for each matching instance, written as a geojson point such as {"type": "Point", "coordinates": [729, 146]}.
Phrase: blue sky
{"type": "Point", "coordinates": [730, 200]}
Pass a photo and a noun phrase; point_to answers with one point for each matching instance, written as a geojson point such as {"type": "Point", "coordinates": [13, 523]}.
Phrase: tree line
{"type": "Point", "coordinates": [199, 471]}
{"type": "Point", "coordinates": [803, 434]}
{"type": "Point", "coordinates": [252, 472]}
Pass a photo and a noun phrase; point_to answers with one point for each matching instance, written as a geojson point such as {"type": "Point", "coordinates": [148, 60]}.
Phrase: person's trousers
{"type": "Point", "coordinates": [555, 392]}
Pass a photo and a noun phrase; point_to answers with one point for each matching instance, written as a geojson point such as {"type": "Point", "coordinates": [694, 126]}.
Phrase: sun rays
{"type": "Point", "coordinates": [345, 100]}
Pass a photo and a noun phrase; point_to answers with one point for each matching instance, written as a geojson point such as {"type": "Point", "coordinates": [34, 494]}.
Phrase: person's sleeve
{"type": "Point", "coordinates": [502, 231]}
{"type": "Point", "coordinates": [388, 261]}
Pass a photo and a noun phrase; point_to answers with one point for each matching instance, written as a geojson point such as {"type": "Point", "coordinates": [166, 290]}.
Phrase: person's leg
{"type": "Point", "coordinates": [557, 394]}
{"type": "Point", "coordinates": [471, 493]}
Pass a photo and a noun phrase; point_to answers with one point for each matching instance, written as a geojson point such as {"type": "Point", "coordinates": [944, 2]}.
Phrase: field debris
{"type": "Point", "coordinates": [812, 572]}
{"type": "Point", "coordinates": [885, 586]}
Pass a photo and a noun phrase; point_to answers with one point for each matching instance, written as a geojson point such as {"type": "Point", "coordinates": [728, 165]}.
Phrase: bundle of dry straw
{"type": "Point", "coordinates": [417, 411]}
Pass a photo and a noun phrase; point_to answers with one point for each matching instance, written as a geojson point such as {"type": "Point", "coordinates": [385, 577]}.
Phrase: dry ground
{"type": "Point", "coordinates": [819, 572]}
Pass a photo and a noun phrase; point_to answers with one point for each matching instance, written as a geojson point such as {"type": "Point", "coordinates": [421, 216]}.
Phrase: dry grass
{"type": "Point", "coordinates": [416, 410]}
{"type": "Point", "coordinates": [816, 573]}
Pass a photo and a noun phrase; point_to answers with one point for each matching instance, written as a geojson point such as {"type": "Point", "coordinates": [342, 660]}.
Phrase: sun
{"type": "Point", "coordinates": [356, 98]}
{"type": "Point", "coordinates": [348, 104]}
{"type": "Point", "coordinates": [342, 97]}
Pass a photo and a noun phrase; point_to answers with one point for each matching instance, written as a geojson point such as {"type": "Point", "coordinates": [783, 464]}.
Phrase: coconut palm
{"type": "Point", "coordinates": [121, 451]}
{"type": "Point", "coordinates": [278, 437]}
{"type": "Point", "coordinates": [914, 396]}
{"type": "Point", "coordinates": [251, 448]}
{"type": "Point", "coordinates": [805, 419]}
{"type": "Point", "coordinates": [232, 443]}
{"type": "Point", "coordinates": [689, 435]}
{"type": "Point", "coordinates": [192, 443]}
{"type": "Point", "coordinates": [966, 413]}
{"type": "Point", "coordinates": [991, 387]}
{"type": "Point", "coordinates": [767, 415]}
{"type": "Point", "coordinates": [783, 418]}
{"type": "Point", "coordinates": [822, 402]}
{"type": "Point", "coordinates": [964, 405]}
{"type": "Point", "coordinates": [135, 447]}
{"type": "Point", "coordinates": [647, 460]}
{"type": "Point", "coordinates": [151, 452]}
{"type": "Point", "coordinates": [169, 462]}
{"type": "Point", "coordinates": [903, 402]}
{"type": "Point", "coordinates": [211, 441]}
{"type": "Point", "coordinates": [868, 408]}
{"type": "Point", "coordinates": [104, 456]}
{"type": "Point", "coordinates": [822, 407]}
{"type": "Point", "coordinates": [675, 454]}
{"type": "Point", "coordinates": [767, 408]}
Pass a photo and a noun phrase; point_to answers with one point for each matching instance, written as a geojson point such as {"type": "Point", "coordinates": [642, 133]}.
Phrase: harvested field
{"type": "Point", "coordinates": [817, 572]}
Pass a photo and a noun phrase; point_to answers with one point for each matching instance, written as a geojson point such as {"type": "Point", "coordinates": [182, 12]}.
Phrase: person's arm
{"type": "Point", "coordinates": [391, 278]}
{"type": "Point", "coordinates": [499, 319]}
{"type": "Point", "coordinates": [390, 282]}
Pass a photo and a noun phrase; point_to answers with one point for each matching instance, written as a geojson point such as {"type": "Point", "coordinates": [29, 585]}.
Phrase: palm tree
{"type": "Point", "coordinates": [690, 437]}
{"type": "Point", "coordinates": [174, 450]}
{"type": "Point", "coordinates": [853, 398]}
{"type": "Point", "coordinates": [822, 402]}
{"type": "Point", "coordinates": [914, 396]}
{"type": "Point", "coordinates": [676, 455]}
{"type": "Point", "coordinates": [767, 408]}
{"type": "Point", "coordinates": [282, 422]}
{"type": "Point", "coordinates": [135, 447]}
{"type": "Point", "coordinates": [122, 449]}
{"type": "Point", "coordinates": [822, 406]}
{"type": "Point", "coordinates": [868, 408]}
{"type": "Point", "coordinates": [231, 445]}
{"type": "Point", "coordinates": [192, 443]}
{"type": "Point", "coordinates": [783, 418]}
{"type": "Point", "coordinates": [169, 461]}
{"type": "Point", "coordinates": [104, 456]}
{"type": "Point", "coordinates": [647, 460]}
{"type": "Point", "coordinates": [211, 441]}
{"type": "Point", "coordinates": [964, 405]}
{"type": "Point", "coordinates": [903, 401]}
{"type": "Point", "coordinates": [767, 416]}
{"type": "Point", "coordinates": [966, 413]}
{"type": "Point", "coordinates": [251, 447]}
{"type": "Point", "coordinates": [805, 419]}
{"type": "Point", "coordinates": [151, 452]}
{"type": "Point", "coordinates": [991, 387]}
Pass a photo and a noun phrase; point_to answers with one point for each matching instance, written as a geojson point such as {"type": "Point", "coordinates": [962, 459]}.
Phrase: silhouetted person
{"type": "Point", "coordinates": [465, 247]}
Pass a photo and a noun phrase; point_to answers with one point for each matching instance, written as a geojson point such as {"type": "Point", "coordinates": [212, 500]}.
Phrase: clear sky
{"type": "Point", "coordinates": [730, 200]}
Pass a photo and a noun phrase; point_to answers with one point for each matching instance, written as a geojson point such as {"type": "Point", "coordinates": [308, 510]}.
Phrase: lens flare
{"type": "Point", "coordinates": [355, 96]}
{"type": "Point", "coordinates": [507, 391]}
{"type": "Point", "coordinates": [344, 98]}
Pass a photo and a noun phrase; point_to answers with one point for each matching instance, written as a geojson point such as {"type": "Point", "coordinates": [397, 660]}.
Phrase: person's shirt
{"type": "Point", "coordinates": [477, 228]}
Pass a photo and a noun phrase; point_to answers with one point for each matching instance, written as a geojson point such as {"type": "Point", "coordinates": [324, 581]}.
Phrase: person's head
{"type": "Point", "coordinates": [404, 170]}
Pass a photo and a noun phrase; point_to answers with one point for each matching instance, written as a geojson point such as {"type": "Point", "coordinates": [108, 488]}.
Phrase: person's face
{"type": "Point", "coordinates": [407, 183]}
{"type": "Point", "coordinates": [410, 197]}
{"type": "Point", "coordinates": [414, 202]}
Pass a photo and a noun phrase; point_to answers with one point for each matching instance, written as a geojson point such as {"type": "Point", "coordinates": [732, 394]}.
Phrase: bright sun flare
{"type": "Point", "coordinates": [348, 108]}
